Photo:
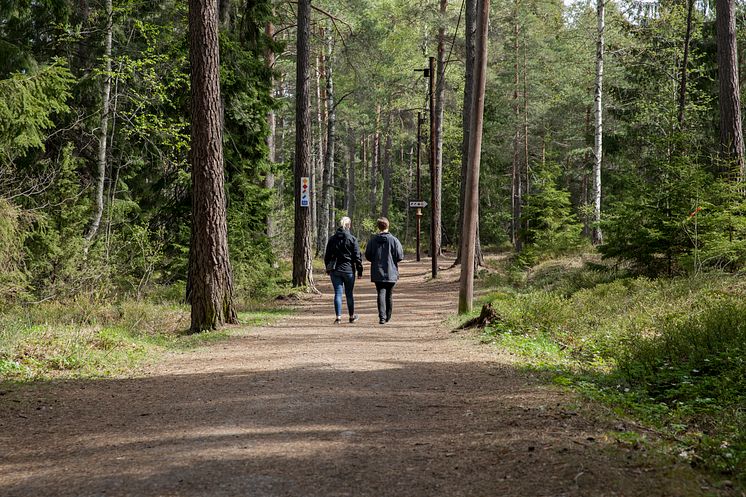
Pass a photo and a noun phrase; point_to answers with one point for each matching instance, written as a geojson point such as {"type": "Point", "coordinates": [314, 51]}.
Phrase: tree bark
{"type": "Point", "coordinates": [269, 179]}
{"type": "Point", "coordinates": [374, 165]}
{"type": "Point", "coordinates": [386, 170]}
{"type": "Point", "coordinates": [440, 94]}
{"type": "Point", "coordinates": [351, 176]}
{"type": "Point", "coordinates": [326, 221]}
{"type": "Point", "coordinates": [210, 287]}
{"type": "Point", "coordinates": [731, 132]}
{"type": "Point", "coordinates": [516, 183]}
{"type": "Point", "coordinates": [470, 15]}
{"type": "Point", "coordinates": [302, 267]}
{"type": "Point", "coordinates": [466, 283]}
{"type": "Point", "coordinates": [685, 63]}
{"type": "Point", "coordinates": [103, 126]}
{"type": "Point", "coordinates": [597, 235]}
{"type": "Point", "coordinates": [434, 180]}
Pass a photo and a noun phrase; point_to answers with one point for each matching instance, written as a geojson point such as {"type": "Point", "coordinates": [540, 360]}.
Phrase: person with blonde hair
{"type": "Point", "coordinates": [342, 259]}
{"type": "Point", "coordinates": [384, 251]}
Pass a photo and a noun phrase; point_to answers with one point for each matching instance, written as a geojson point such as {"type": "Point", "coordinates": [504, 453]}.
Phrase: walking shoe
{"type": "Point", "coordinates": [338, 320]}
{"type": "Point", "coordinates": [354, 318]}
{"type": "Point", "coordinates": [381, 321]}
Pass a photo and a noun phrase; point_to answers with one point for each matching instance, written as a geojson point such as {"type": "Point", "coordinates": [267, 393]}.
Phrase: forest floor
{"type": "Point", "coordinates": [303, 407]}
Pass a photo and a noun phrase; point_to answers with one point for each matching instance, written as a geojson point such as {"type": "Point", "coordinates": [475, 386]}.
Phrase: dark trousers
{"type": "Point", "coordinates": [385, 299]}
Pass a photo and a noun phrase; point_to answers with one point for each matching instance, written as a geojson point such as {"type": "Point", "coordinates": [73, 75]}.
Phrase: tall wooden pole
{"type": "Point", "coordinates": [434, 179]}
{"type": "Point", "coordinates": [419, 181]}
{"type": "Point", "coordinates": [466, 287]}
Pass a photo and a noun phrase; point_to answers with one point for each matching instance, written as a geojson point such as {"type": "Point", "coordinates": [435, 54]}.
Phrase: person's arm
{"type": "Point", "coordinates": [358, 259]}
{"type": "Point", "coordinates": [329, 252]}
{"type": "Point", "coordinates": [399, 256]}
{"type": "Point", "coordinates": [369, 250]}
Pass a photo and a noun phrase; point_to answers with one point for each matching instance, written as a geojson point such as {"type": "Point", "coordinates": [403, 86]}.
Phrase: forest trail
{"type": "Point", "coordinates": [306, 408]}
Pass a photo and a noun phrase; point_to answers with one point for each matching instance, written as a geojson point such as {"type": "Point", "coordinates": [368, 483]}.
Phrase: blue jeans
{"type": "Point", "coordinates": [344, 281]}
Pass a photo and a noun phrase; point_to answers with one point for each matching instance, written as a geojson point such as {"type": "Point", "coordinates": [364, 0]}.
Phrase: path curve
{"type": "Point", "coordinates": [306, 408]}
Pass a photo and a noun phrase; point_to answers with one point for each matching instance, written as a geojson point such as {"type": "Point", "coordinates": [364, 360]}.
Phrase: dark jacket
{"type": "Point", "coordinates": [384, 252]}
{"type": "Point", "coordinates": [343, 248]}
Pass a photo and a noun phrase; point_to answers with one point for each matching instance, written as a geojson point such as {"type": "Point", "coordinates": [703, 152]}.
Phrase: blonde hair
{"type": "Point", "coordinates": [345, 222]}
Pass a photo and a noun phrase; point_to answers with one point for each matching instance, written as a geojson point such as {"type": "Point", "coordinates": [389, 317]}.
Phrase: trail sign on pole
{"type": "Point", "coordinates": [305, 192]}
{"type": "Point", "coordinates": [418, 204]}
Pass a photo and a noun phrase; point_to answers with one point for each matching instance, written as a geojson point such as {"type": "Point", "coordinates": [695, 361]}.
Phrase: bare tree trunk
{"type": "Point", "coordinates": [269, 179]}
{"type": "Point", "coordinates": [731, 132]}
{"type": "Point", "coordinates": [685, 63]}
{"type": "Point", "coordinates": [470, 27]}
{"type": "Point", "coordinates": [326, 221]}
{"type": "Point", "coordinates": [410, 176]}
{"type": "Point", "coordinates": [440, 94]}
{"type": "Point", "coordinates": [224, 8]}
{"type": "Point", "coordinates": [434, 179]}
{"type": "Point", "coordinates": [210, 286]}
{"type": "Point", "coordinates": [374, 165]}
{"type": "Point", "coordinates": [302, 267]}
{"type": "Point", "coordinates": [386, 170]}
{"type": "Point", "coordinates": [351, 177]}
{"type": "Point", "coordinates": [318, 176]}
{"type": "Point", "coordinates": [466, 283]}
{"type": "Point", "coordinates": [103, 126]}
{"type": "Point", "coordinates": [597, 236]}
{"type": "Point", "coordinates": [516, 183]}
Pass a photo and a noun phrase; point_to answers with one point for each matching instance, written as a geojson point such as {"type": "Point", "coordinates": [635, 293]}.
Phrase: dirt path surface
{"type": "Point", "coordinates": [307, 408]}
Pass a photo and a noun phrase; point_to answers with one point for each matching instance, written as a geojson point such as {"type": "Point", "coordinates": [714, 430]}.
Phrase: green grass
{"type": "Point", "coordinates": [80, 340]}
{"type": "Point", "coordinates": [670, 353]}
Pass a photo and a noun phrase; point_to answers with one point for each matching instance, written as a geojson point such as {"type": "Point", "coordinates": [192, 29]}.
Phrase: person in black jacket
{"type": "Point", "coordinates": [342, 259]}
{"type": "Point", "coordinates": [384, 251]}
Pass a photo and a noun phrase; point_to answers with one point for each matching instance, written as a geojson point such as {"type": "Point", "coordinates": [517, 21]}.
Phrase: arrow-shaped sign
{"type": "Point", "coordinates": [418, 204]}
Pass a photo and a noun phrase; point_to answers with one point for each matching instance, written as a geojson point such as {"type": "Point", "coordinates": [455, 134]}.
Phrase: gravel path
{"type": "Point", "coordinates": [307, 408]}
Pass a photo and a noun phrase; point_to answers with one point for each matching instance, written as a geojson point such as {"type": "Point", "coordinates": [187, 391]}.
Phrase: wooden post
{"type": "Point", "coordinates": [419, 181]}
{"type": "Point", "coordinates": [466, 286]}
{"type": "Point", "coordinates": [434, 218]}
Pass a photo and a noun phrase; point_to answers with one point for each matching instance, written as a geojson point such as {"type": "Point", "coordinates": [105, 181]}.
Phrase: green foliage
{"type": "Point", "coordinates": [13, 278]}
{"type": "Point", "coordinates": [551, 228]}
{"type": "Point", "coordinates": [668, 351]}
{"type": "Point", "coordinates": [28, 102]}
{"type": "Point", "coordinates": [78, 339]}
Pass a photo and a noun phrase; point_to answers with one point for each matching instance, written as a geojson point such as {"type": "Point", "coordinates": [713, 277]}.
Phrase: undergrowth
{"type": "Point", "coordinates": [669, 352]}
{"type": "Point", "coordinates": [78, 339]}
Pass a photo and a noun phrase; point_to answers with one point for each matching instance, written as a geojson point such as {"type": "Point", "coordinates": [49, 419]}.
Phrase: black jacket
{"type": "Point", "coordinates": [343, 248]}
{"type": "Point", "coordinates": [384, 252]}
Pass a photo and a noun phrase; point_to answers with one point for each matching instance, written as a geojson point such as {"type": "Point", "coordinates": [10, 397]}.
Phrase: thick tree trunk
{"type": "Point", "coordinates": [466, 283]}
{"type": "Point", "coordinates": [302, 267]}
{"type": "Point", "coordinates": [597, 236]}
{"type": "Point", "coordinates": [103, 132]}
{"type": "Point", "coordinates": [731, 132]}
{"type": "Point", "coordinates": [210, 287]}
